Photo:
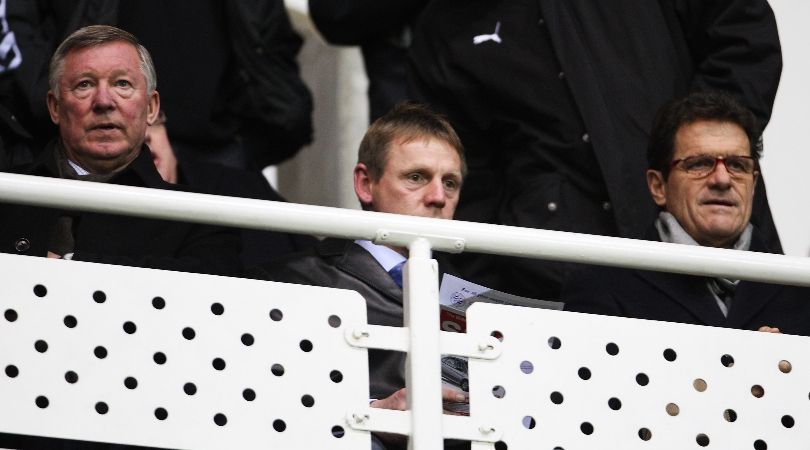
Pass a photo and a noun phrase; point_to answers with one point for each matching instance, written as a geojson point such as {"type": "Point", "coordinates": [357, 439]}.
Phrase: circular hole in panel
{"type": "Point", "coordinates": [586, 428]}
{"type": "Point", "coordinates": [249, 394]}
{"type": "Point", "coordinates": [338, 431]}
{"type": "Point", "coordinates": [642, 379]}
{"type": "Point", "coordinates": [220, 419]}
{"type": "Point", "coordinates": [759, 444]}
{"type": "Point", "coordinates": [40, 291]}
{"type": "Point", "coordinates": [526, 367]}
{"type": "Point", "coordinates": [556, 397]}
{"type": "Point", "coordinates": [190, 388]}
{"type": "Point", "coordinates": [528, 422]}
{"type": "Point", "coordinates": [100, 352]}
{"type": "Point", "coordinates": [645, 434]}
{"type": "Point", "coordinates": [158, 303]}
{"type": "Point", "coordinates": [305, 345]}
{"type": "Point", "coordinates": [730, 415]}
{"type": "Point", "coordinates": [584, 373]}
{"type": "Point", "coordinates": [102, 408]}
{"type": "Point", "coordinates": [247, 339]}
{"type": "Point", "coordinates": [757, 391]}
{"type": "Point", "coordinates": [785, 366]}
{"type": "Point", "coordinates": [554, 342]}
{"type": "Point", "coordinates": [217, 309]}
{"type": "Point", "coordinates": [497, 335]}
{"type": "Point", "coordinates": [787, 421]}
{"type": "Point", "coordinates": [277, 370]}
{"type": "Point", "coordinates": [189, 333]}
{"type": "Point", "coordinates": [336, 376]}
{"type": "Point", "coordinates": [71, 377]}
{"type": "Point", "coordinates": [12, 371]}
{"type": "Point", "coordinates": [699, 384]}
{"type": "Point", "coordinates": [501, 445]}
{"type": "Point", "coordinates": [42, 402]}
{"type": "Point", "coordinates": [614, 403]}
{"type": "Point", "coordinates": [129, 327]}
{"type": "Point", "coordinates": [498, 391]}
{"type": "Point", "coordinates": [727, 360]}
{"type": "Point", "coordinates": [130, 383]}
{"type": "Point", "coordinates": [334, 321]}
{"type": "Point", "coordinates": [702, 440]}
{"type": "Point", "coordinates": [70, 321]}
{"type": "Point", "coordinates": [218, 363]}
{"type": "Point", "coordinates": [99, 297]}
{"type": "Point", "coordinates": [10, 315]}
{"type": "Point", "coordinates": [279, 425]}
{"type": "Point", "coordinates": [159, 358]}
{"type": "Point", "coordinates": [276, 314]}
{"type": "Point", "coordinates": [307, 400]}
{"type": "Point", "coordinates": [673, 409]}
{"type": "Point", "coordinates": [161, 414]}
{"type": "Point", "coordinates": [41, 346]}
{"type": "Point", "coordinates": [612, 349]}
{"type": "Point", "coordinates": [670, 355]}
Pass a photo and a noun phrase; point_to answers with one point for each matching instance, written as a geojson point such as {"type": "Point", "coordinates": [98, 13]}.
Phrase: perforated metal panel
{"type": "Point", "coordinates": [155, 358]}
{"type": "Point", "coordinates": [577, 381]}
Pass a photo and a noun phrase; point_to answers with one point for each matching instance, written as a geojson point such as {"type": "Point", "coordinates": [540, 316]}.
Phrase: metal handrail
{"type": "Point", "coordinates": [444, 235]}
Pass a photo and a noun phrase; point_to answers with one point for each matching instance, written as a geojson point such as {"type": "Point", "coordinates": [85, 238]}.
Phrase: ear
{"type": "Point", "coordinates": [658, 187]}
{"type": "Point", "coordinates": [363, 185]}
{"type": "Point", "coordinates": [153, 108]}
{"type": "Point", "coordinates": [53, 107]}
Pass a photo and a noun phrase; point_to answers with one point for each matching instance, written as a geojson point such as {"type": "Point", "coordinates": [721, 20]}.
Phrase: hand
{"type": "Point", "coordinates": [399, 399]}
{"type": "Point", "coordinates": [162, 154]}
{"type": "Point", "coordinates": [767, 329]}
{"type": "Point", "coordinates": [54, 255]}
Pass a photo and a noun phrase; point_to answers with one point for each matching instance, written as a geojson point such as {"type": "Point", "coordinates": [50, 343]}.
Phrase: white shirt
{"type": "Point", "coordinates": [384, 255]}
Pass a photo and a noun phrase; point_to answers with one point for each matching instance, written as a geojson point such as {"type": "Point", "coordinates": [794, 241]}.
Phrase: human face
{"type": "Point", "coordinates": [422, 177]}
{"type": "Point", "coordinates": [102, 106]}
{"type": "Point", "coordinates": [716, 208]}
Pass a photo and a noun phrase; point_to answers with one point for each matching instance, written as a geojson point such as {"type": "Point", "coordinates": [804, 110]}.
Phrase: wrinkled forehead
{"type": "Point", "coordinates": [710, 137]}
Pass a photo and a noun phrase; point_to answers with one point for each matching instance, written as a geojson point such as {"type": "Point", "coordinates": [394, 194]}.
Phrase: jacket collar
{"type": "Point", "coordinates": [357, 262]}
{"type": "Point", "coordinates": [140, 172]}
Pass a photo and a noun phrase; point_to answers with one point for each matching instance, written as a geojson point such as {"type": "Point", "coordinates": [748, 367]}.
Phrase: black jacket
{"type": "Point", "coordinates": [673, 297]}
{"type": "Point", "coordinates": [121, 240]}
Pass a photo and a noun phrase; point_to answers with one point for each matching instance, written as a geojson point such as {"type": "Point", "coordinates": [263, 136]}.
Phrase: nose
{"type": "Point", "coordinates": [102, 99]}
{"type": "Point", "coordinates": [720, 178]}
{"type": "Point", "coordinates": [435, 195]}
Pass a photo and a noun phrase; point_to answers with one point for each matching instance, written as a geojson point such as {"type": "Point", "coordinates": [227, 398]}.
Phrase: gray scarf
{"type": "Point", "coordinates": [722, 289]}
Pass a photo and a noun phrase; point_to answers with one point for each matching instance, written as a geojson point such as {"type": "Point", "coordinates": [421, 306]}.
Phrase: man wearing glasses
{"type": "Point", "coordinates": [702, 156]}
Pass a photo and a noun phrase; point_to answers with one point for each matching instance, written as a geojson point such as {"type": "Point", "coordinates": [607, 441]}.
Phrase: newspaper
{"type": "Point", "coordinates": [455, 296]}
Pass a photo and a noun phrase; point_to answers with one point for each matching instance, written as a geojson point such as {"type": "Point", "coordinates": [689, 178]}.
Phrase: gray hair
{"type": "Point", "coordinates": [94, 36]}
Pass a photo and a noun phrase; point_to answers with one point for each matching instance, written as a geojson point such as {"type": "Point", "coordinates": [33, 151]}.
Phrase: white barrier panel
{"type": "Point", "coordinates": [571, 381]}
{"type": "Point", "coordinates": [169, 359]}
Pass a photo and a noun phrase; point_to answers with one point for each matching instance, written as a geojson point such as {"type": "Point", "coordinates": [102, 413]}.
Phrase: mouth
{"type": "Point", "coordinates": [106, 126]}
{"type": "Point", "coordinates": [719, 202]}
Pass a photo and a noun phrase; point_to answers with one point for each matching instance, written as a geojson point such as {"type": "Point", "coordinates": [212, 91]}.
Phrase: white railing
{"type": "Point", "coordinates": [421, 235]}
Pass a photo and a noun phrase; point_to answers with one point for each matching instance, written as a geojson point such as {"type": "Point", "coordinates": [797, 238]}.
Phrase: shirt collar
{"type": "Point", "coordinates": [384, 255]}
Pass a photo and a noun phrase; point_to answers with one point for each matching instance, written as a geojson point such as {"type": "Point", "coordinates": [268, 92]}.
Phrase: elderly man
{"type": "Point", "coordinates": [102, 97]}
{"type": "Point", "coordinates": [410, 162]}
{"type": "Point", "coordinates": [703, 168]}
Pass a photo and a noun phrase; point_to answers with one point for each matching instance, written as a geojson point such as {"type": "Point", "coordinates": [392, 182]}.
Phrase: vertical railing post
{"type": "Point", "coordinates": [423, 369]}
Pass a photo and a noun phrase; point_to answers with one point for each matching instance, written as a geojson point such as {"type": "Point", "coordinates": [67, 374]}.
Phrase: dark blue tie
{"type": "Point", "coordinates": [396, 273]}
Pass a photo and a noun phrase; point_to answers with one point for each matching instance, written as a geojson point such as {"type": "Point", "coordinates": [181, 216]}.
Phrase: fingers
{"type": "Point", "coordinates": [767, 329]}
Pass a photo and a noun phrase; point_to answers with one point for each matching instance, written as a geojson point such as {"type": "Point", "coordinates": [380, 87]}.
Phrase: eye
{"type": "Point", "coordinates": [738, 165]}
{"type": "Point", "coordinates": [698, 163]}
{"type": "Point", "coordinates": [123, 83]}
{"type": "Point", "coordinates": [84, 84]}
{"type": "Point", "coordinates": [416, 177]}
{"type": "Point", "coordinates": [451, 184]}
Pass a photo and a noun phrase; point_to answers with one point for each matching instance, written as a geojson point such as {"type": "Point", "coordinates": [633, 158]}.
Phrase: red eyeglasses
{"type": "Point", "coordinates": [703, 165]}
